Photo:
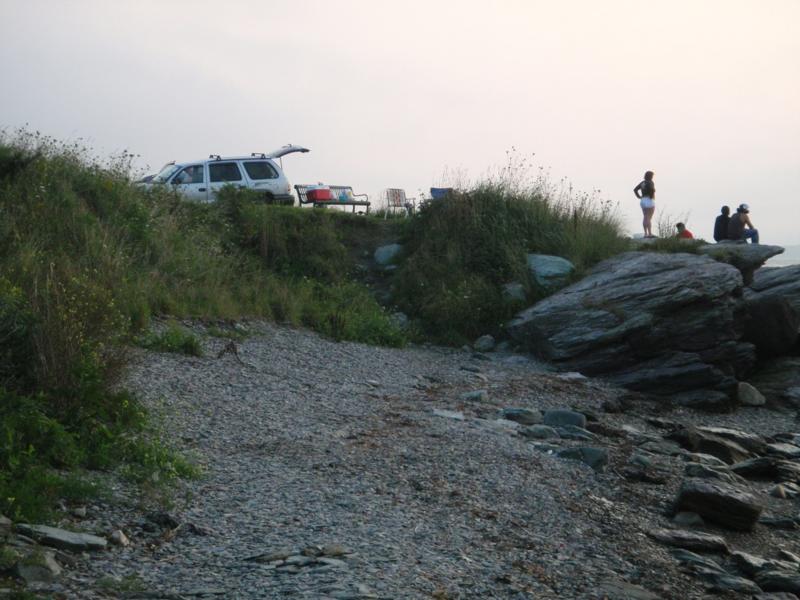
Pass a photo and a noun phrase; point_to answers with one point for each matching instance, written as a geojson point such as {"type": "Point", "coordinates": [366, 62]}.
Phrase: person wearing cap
{"type": "Point", "coordinates": [683, 233]}
{"type": "Point", "coordinates": [721, 224]}
{"type": "Point", "coordinates": [740, 227]}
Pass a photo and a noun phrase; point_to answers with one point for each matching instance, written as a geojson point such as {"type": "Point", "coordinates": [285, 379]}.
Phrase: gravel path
{"type": "Point", "coordinates": [384, 478]}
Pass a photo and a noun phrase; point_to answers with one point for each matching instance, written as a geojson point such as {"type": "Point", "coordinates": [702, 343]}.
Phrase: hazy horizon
{"type": "Point", "coordinates": [387, 95]}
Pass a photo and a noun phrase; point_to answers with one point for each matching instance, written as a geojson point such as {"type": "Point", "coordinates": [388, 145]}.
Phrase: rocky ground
{"type": "Point", "coordinates": [338, 470]}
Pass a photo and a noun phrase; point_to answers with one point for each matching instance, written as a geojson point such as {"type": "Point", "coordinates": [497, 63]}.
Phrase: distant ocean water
{"type": "Point", "coordinates": [790, 256]}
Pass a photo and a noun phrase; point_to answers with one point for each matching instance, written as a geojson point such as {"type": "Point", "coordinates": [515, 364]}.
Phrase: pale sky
{"type": "Point", "coordinates": [706, 93]}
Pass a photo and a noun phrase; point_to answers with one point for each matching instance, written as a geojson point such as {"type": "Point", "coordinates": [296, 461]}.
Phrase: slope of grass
{"type": "Point", "coordinates": [463, 249]}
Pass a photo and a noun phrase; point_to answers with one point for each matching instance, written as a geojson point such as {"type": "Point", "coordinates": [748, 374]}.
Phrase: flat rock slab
{"type": "Point", "coordinates": [690, 540]}
{"type": "Point", "coordinates": [523, 416]}
{"type": "Point", "coordinates": [614, 589]}
{"type": "Point", "coordinates": [562, 417]}
{"type": "Point", "coordinates": [725, 582]}
{"type": "Point", "coordinates": [706, 442]}
{"type": "Point", "coordinates": [779, 581]}
{"type": "Point", "coordinates": [597, 458]}
{"type": "Point", "coordinates": [62, 539]}
{"type": "Point", "coordinates": [720, 503]}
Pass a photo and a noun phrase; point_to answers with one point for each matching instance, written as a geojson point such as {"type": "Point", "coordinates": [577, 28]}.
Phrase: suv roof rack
{"type": "Point", "coordinates": [215, 156]}
{"type": "Point", "coordinates": [258, 155]}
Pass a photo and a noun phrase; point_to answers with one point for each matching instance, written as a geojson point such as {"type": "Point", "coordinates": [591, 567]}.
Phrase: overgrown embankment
{"type": "Point", "coordinates": [463, 249]}
{"type": "Point", "coordinates": [87, 259]}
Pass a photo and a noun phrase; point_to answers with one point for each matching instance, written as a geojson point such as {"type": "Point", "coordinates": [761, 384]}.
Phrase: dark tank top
{"type": "Point", "coordinates": [736, 227]}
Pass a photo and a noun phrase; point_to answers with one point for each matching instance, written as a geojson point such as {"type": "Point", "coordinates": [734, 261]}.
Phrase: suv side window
{"type": "Point", "coordinates": [192, 174]}
{"type": "Point", "coordinates": [224, 171]}
{"type": "Point", "coordinates": [260, 169]}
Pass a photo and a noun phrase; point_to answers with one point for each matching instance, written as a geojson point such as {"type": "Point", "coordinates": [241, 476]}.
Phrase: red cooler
{"type": "Point", "coordinates": [319, 195]}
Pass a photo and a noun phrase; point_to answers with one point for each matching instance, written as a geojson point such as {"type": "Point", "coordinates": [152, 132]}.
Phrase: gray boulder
{"type": "Point", "coordinates": [779, 381]}
{"type": "Point", "coordinates": [549, 271]}
{"type": "Point", "coordinates": [62, 539]}
{"type": "Point", "coordinates": [721, 503]}
{"type": "Point", "coordinates": [561, 417]}
{"type": "Point", "coordinates": [745, 257]}
{"type": "Point", "coordinates": [748, 395]}
{"type": "Point", "coordinates": [485, 343]}
{"type": "Point", "coordinates": [771, 324]}
{"type": "Point", "coordinates": [691, 540]}
{"type": "Point", "coordinates": [783, 282]}
{"type": "Point", "coordinates": [514, 292]}
{"type": "Point", "coordinates": [728, 450]}
{"type": "Point", "coordinates": [661, 323]}
{"type": "Point", "coordinates": [385, 255]}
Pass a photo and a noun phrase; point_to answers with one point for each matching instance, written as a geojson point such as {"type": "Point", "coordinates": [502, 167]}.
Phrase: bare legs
{"type": "Point", "coordinates": [647, 223]}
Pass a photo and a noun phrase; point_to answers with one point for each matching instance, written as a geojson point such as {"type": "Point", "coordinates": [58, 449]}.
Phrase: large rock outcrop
{"type": "Point", "coordinates": [782, 282]}
{"type": "Point", "coordinates": [662, 323]}
{"type": "Point", "coordinates": [745, 257]}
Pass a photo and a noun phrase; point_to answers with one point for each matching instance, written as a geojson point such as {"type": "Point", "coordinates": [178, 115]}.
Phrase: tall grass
{"type": "Point", "coordinates": [86, 258]}
{"type": "Point", "coordinates": [463, 249]}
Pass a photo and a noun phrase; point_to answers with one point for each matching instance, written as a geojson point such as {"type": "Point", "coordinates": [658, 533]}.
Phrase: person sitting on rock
{"type": "Point", "coordinates": [683, 233]}
{"type": "Point", "coordinates": [721, 224]}
{"type": "Point", "coordinates": [740, 228]}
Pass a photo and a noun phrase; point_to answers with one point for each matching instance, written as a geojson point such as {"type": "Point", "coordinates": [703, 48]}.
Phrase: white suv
{"type": "Point", "coordinates": [200, 180]}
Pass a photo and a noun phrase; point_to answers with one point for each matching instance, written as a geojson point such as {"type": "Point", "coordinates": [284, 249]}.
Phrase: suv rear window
{"type": "Point", "coordinates": [260, 169]}
{"type": "Point", "coordinates": [224, 171]}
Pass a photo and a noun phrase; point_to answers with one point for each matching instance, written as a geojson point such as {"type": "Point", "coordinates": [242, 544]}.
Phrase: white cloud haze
{"type": "Point", "coordinates": [391, 94]}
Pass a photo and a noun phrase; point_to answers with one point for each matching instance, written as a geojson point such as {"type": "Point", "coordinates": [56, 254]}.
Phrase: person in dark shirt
{"type": "Point", "coordinates": [683, 232]}
{"type": "Point", "coordinates": [740, 227]}
{"type": "Point", "coordinates": [646, 192]}
{"type": "Point", "coordinates": [721, 224]}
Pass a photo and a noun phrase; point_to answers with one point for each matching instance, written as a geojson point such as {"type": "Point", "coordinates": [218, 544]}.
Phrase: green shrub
{"type": "Point", "coordinates": [462, 249]}
{"type": "Point", "coordinates": [174, 339]}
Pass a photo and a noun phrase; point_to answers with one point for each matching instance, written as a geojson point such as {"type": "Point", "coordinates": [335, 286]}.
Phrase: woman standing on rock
{"type": "Point", "coordinates": [646, 192]}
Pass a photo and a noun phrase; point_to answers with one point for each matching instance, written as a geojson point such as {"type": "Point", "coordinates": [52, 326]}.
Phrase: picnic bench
{"type": "Point", "coordinates": [338, 192]}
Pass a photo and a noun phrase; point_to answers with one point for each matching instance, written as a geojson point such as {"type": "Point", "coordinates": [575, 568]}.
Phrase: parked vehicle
{"type": "Point", "coordinates": [200, 180]}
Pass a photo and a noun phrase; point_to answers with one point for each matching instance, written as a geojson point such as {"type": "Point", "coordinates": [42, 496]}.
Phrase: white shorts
{"type": "Point", "coordinates": [647, 202]}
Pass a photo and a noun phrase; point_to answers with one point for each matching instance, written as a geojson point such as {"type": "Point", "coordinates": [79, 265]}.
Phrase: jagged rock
{"type": "Point", "coordinates": [748, 395]}
{"type": "Point", "coordinates": [514, 292]}
{"type": "Point", "coordinates": [720, 581]}
{"type": "Point", "coordinates": [59, 538]}
{"type": "Point", "coordinates": [751, 565]}
{"type": "Point", "coordinates": [523, 416]}
{"type": "Point", "coordinates": [784, 450]}
{"type": "Point", "coordinates": [38, 568]}
{"type": "Point", "coordinates": [720, 503]}
{"type": "Point", "coordinates": [768, 468]}
{"type": "Point", "coordinates": [662, 323]}
{"type": "Point", "coordinates": [698, 440]}
{"type": "Point", "coordinates": [770, 324]}
{"type": "Point", "coordinates": [562, 417]}
{"type": "Point", "coordinates": [745, 257]}
{"type": "Point", "coordinates": [708, 400]}
{"type": "Point", "coordinates": [783, 282]}
{"type": "Point", "coordinates": [779, 381]}
{"type": "Point", "coordinates": [571, 432]}
{"type": "Point", "coordinates": [695, 561]}
{"type": "Point", "coordinates": [749, 441]}
{"type": "Point", "coordinates": [779, 581]}
{"type": "Point", "coordinates": [704, 459]}
{"type": "Point", "coordinates": [539, 432]}
{"type": "Point", "coordinates": [118, 538]}
{"type": "Point", "coordinates": [789, 556]}
{"type": "Point", "coordinates": [690, 540]}
{"type": "Point", "coordinates": [549, 271]}
{"type": "Point", "coordinates": [597, 458]}
{"type": "Point", "coordinates": [706, 472]}
{"type": "Point", "coordinates": [384, 255]}
{"type": "Point", "coordinates": [485, 343]}
{"type": "Point", "coordinates": [788, 523]}
{"type": "Point", "coordinates": [688, 519]}
{"type": "Point", "coordinates": [622, 590]}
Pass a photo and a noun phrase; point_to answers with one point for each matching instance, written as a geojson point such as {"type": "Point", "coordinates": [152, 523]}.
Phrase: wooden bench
{"type": "Point", "coordinates": [336, 191]}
